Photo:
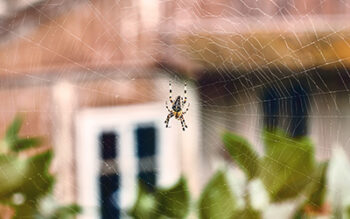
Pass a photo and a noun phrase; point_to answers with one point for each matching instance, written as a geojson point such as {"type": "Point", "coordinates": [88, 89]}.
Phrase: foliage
{"type": "Point", "coordinates": [217, 199]}
{"type": "Point", "coordinates": [247, 213]}
{"type": "Point", "coordinates": [315, 202]}
{"type": "Point", "coordinates": [25, 180]}
{"type": "Point", "coordinates": [172, 202]}
{"type": "Point", "coordinates": [58, 212]}
{"type": "Point", "coordinates": [242, 153]}
{"type": "Point", "coordinates": [288, 170]}
{"type": "Point", "coordinates": [317, 191]}
{"type": "Point", "coordinates": [287, 165]}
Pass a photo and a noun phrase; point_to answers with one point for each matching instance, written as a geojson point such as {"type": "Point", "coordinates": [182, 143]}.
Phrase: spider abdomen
{"type": "Point", "coordinates": [177, 114]}
{"type": "Point", "coordinates": [177, 104]}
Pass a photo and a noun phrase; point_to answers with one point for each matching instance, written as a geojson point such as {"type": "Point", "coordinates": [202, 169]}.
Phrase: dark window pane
{"type": "Point", "coordinates": [299, 112]}
{"type": "Point", "coordinates": [146, 141]}
{"type": "Point", "coordinates": [108, 143]}
{"type": "Point", "coordinates": [109, 185]}
{"type": "Point", "coordinates": [148, 179]}
{"type": "Point", "coordinates": [294, 111]}
{"type": "Point", "coordinates": [146, 149]}
{"type": "Point", "coordinates": [270, 108]}
{"type": "Point", "coordinates": [109, 180]}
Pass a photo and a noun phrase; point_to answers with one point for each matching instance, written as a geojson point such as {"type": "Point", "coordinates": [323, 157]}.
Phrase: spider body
{"type": "Point", "coordinates": [176, 108]}
{"type": "Point", "coordinates": [177, 105]}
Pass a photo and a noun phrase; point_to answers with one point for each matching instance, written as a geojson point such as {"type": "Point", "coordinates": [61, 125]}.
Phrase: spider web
{"type": "Point", "coordinates": [236, 56]}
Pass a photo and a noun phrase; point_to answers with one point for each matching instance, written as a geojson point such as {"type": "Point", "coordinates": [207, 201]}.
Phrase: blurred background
{"type": "Point", "coordinates": [90, 78]}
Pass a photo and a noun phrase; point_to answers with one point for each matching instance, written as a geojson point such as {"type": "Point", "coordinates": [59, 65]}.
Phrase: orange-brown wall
{"type": "Point", "coordinates": [93, 33]}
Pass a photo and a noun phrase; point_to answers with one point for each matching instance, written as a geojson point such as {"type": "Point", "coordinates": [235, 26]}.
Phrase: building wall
{"type": "Point", "coordinates": [92, 33]}
{"type": "Point", "coordinates": [101, 33]}
{"type": "Point", "coordinates": [34, 103]}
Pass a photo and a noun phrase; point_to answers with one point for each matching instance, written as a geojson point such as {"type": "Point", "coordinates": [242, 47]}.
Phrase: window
{"type": "Point", "coordinates": [288, 112]}
{"type": "Point", "coordinates": [109, 178]}
{"type": "Point", "coordinates": [146, 151]}
{"type": "Point", "coordinates": [116, 147]}
{"type": "Point", "coordinates": [270, 108]}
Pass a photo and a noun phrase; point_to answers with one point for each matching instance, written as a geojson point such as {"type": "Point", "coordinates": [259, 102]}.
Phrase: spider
{"type": "Point", "coordinates": [176, 108]}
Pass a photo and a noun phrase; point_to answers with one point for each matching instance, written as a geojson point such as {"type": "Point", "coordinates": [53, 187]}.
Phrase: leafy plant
{"type": "Point", "coordinates": [25, 180]}
{"type": "Point", "coordinates": [172, 202]}
{"type": "Point", "coordinates": [242, 152]}
{"type": "Point", "coordinates": [217, 199]}
{"type": "Point", "coordinates": [287, 169]}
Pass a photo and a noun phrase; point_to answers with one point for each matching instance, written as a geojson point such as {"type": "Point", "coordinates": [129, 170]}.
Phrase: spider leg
{"type": "Point", "coordinates": [166, 106]}
{"type": "Point", "coordinates": [188, 106]}
{"type": "Point", "coordinates": [170, 93]}
{"type": "Point", "coordinates": [183, 123]}
{"type": "Point", "coordinates": [167, 119]}
{"type": "Point", "coordinates": [185, 93]}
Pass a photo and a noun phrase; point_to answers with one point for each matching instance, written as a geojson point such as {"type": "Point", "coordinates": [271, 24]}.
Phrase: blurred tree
{"type": "Point", "coordinates": [25, 181]}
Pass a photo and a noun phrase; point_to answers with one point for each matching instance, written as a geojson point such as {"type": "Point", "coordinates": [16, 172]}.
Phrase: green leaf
{"type": "Point", "coordinates": [38, 180]}
{"type": "Point", "coordinates": [287, 165]}
{"type": "Point", "coordinates": [67, 212]}
{"type": "Point", "coordinates": [145, 204]}
{"type": "Point", "coordinates": [25, 143]}
{"type": "Point", "coordinates": [317, 189]}
{"type": "Point", "coordinates": [12, 175]}
{"type": "Point", "coordinates": [247, 213]}
{"type": "Point", "coordinates": [37, 183]}
{"type": "Point", "coordinates": [13, 143]}
{"type": "Point", "coordinates": [217, 200]}
{"type": "Point", "coordinates": [11, 135]}
{"type": "Point", "coordinates": [174, 202]}
{"type": "Point", "coordinates": [347, 212]}
{"type": "Point", "coordinates": [315, 193]}
{"type": "Point", "coordinates": [242, 153]}
{"type": "Point", "coordinates": [171, 202]}
{"type": "Point", "coordinates": [27, 210]}
{"type": "Point", "coordinates": [13, 129]}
